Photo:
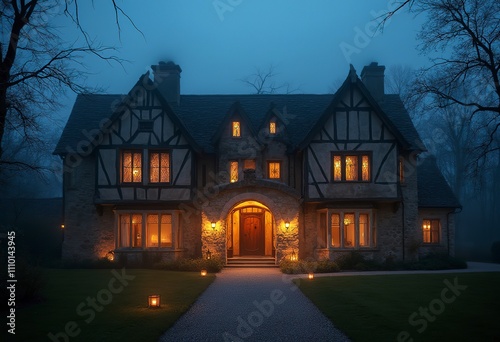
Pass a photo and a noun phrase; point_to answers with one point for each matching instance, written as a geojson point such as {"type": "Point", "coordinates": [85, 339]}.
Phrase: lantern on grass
{"type": "Point", "coordinates": [311, 275]}
{"type": "Point", "coordinates": [293, 256]}
{"type": "Point", "coordinates": [209, 255]}
{"type": "Point", "coordinates": [154, 301]}
{"type": "Point", "coordinates": [203, 273]}
{"type": "Point", "coordinates": [110, 256]}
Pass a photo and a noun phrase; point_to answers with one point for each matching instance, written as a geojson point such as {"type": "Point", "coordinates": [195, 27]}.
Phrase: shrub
{"type": "Point", "coordinates": [349, 260]}
{"type": "Point", "coordinates": [495, 251]}
{"type": "Point", "coordinates": [213, 265]}
{"type": "Point", "coordinates": [307, 266]}
{"type": "Point", "coordinates": [291, 267]}
{"type": "Point", "coordinates": [327, 266]}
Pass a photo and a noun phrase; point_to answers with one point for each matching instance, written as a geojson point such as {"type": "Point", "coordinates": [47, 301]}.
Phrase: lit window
{"type": "Point", "coordinates": [131, 167]}
{"type": "Point", "coordinates": [249, 164]}
{"type": "Point", "coordinates": [364, 233]}
{"type": "Point", "coordinates": [335, 230]}
{"type": "Point", "coordinates": [159, 167]}
{"type": "Point", "coordinates": [159, 230]}
{"type": "Point", "coordinates": [131, 230]}
{"type": "Point", "coordinates": [233, 171]}
{"type": "Point", "coordinates": [351, 230]}
{"type": "Point", "coordinates": [430, 229]}
{"type": "Point", "coordinates": [274, 170]}
{"type": "Point", "coordinates": [236, 129]}
{"type": "Point", "coordinates": [401, 170]}
{"type": "Point", "coordinates": [351, 168]}
{"type": "Point", "coordinates": [272, 127]}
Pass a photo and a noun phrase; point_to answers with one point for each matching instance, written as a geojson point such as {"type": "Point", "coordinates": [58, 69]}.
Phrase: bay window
{"type": "Point", "coordinates": [349, 229]}
{"type": "Point", "coordinates": [145, 230]}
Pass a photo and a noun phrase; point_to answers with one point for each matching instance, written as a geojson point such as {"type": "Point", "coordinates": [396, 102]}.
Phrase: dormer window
{"type": "Point", "coordinates": [351, 167]}
{"type": "Point", "coordinates": [272, 127]}
{"type": "Point", "coordinates": [236, 132]}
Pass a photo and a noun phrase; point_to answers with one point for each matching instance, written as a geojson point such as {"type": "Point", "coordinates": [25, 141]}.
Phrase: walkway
{"type": "Point", "coordinates": [253, 305]}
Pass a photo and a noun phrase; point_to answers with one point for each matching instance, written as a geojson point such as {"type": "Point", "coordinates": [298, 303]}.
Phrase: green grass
{"type": "Point", "coordinates": [378, 308]}
{"type": "Point", "coordinates": [125, 318]}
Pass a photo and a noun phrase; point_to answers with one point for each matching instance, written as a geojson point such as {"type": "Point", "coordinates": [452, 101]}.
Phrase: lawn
{"type": "Point", "coordinates": [410, 307]}
{"type": "Point", "coordinates": [119, 311]}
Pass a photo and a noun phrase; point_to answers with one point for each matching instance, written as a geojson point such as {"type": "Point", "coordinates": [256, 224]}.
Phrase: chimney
{"type": "Point", "coordinates": [167, 77]}
{"type": "Point", "coordinates": [373, 78]}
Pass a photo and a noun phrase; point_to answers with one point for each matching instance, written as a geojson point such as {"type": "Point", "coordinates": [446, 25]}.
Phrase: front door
{"type": "Point", "coordinates": [252, 234]}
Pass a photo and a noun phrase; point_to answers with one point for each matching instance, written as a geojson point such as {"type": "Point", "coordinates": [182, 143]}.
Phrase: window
{"type": "Point", "coordinates": [351, 167]}
{"type": "Point", "coordinates": [236, 132]}
{"type": "Point", "coordinates": [145, 230]}
{"type": "Point", "coordinates": [159, 230]}
{"type": "Point", "coordinates": [131, 230]}
{"type": "Point", "coordinates": [131, 167]}
{"type": "Point", "coordinates": [272, 127]}
{"type": "Point", "coordinates": [249, 164]}
{"type": "Point", "coordinates": [430, 229]}
{"type": "Point", "coordinates": [233, 171]}
{"type": "Point", "coordinates": [159, 167]}
{"type": "Point", "coordinates": [401, 170]}
{"type": "Point", "coordinates": [274, 170]}
{"type": "Point", "coordinates": [351, 229]}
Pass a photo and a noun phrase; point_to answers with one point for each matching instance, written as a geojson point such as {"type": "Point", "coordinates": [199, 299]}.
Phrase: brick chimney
{"type": "Point", "coordinates": [373, 78]}
{"type": "Point", "coordinates": [167, 77]}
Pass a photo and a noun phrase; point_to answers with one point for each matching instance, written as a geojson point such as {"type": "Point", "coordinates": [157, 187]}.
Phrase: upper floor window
{"type": "Point", "coordinates": [274, 170]}
{"type": "Point", "coordinates": [131, 167]}
{"type": "Point", "coordinates": [351, 167]}
{"type": "Point", "coordinates": [430, 229]}
{"type": "Point", "coordinates": [233, 171]}
{"type": "Point", "coordinates": [236, 131]}
{"type": "Point", "coordinates": [159, 167]}
{"type": "Point", "coordinates": [272, 127]}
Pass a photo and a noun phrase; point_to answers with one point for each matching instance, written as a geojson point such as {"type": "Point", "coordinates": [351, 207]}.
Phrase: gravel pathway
{"type": "Point", "coordinates": [255, 304]}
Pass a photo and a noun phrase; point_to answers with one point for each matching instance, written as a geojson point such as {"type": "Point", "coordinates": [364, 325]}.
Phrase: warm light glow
{"type": "Point", "coordinates": [272, 127]}
{"type": "Point", "coordinates": [351, 168]}
{"type": "Point", "coordinates": [154, 301]}
{"type": "Point", "coordinates": [233, 171]}
{"type": "Point", "coordinates": [274, 170]}
{"type": "Point", "coordinates": [337, 168]}
{"type": "Point", "coordinates": [293, 256]}
{"type": "Point", "coordinates": [131, 167]}
{"type": "Point", "coordinates": [203, 273]}
{"type": "Point", "coordinates": [311, 276]}
{"type": "Point", "coordinates": [213, 225]}
{"type": "Point", "coordinates": [236, 129]}
{"type": "Point", "coordinates": [365, 168]}
{"type": "Point", "coordinates": [62, 226]}
{"type": "Point", "coordinates": [287, 225]}
{"type": "Point", "coordinates": [159, 167]}
{"type": "Point", "coordinates": [347, 221]}
{"type": "Point", "coordinates": [209, 255]}
{"type": "Point", "coordinates": [110, 256]}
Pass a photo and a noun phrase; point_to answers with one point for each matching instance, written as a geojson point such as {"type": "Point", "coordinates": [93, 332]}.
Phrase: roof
{"type": "Point", "coordinates": [433, 190]}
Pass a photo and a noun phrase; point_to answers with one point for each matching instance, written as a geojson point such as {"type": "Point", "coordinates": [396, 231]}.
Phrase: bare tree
{"type": "Point", "coordinates": [262, 81]}
{"type": "Point", "coordinates": [37, 66]}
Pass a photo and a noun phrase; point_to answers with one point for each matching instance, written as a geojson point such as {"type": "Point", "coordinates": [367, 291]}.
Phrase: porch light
{"type": "Point", "coordinates": [154, 301]}
{"type": "Point", "coordinates": [203, 273]}
{"type": "Point", "coordinates": [62, 226]}
{"type": "Point", "coordinates": [110, 255]}
{"type": "Point", "coordinates": [293, 256]}
{"type": "Point", "coordinates": [311, 275]}
{"type": "Point", "coordinates": [209, 255]}
{"type": "Point", "coordinates": [213, 225]}
{"type": "Point", "coordinates": [287, 225]}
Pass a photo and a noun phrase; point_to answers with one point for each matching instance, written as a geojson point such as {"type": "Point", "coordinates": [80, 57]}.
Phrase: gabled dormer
{"type": "Point", "coordinates": [273, 127]}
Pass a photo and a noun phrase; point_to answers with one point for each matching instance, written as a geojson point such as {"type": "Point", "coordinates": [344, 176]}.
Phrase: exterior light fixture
{"type": "Point", "coordinates": [203, 273]}
{"type": "Point", "coordinates": [110, 256]}
{"type": "Point", "coordinates": [287, 225]}
{"type": "Point", "coordinates": [293, 256]}
{"type": "Point", "coordinates": [213, 225]}
{"type": "Point", "coordinates": [154, 301]}
{"type": "Point", "coordinates": [311, 275]}
{"type": "Point", "coordinates": [209, 255]}
{"type": "Point", "coordinates": [62, 226]}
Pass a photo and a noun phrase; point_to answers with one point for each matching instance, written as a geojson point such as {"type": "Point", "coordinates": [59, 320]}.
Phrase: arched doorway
{"type": "Point", "coordinates": [250, 230]}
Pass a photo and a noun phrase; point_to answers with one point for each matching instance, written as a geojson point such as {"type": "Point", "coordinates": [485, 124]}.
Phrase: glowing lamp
{"type": "Point", "coordinates": [311, 275]}
{"type": "Point", "coordinates": [213, 225]}
{"type": "Point", "coordinates": [209, 255]}
{"type": "Point", "coordinates": [287, 225]}
{"type": "Point", "coordinates": [293, 256]}
{"type": "Point", "coordinates": [110, 255]}
{"type": "Point", "coordinates": [62, 226]}
{"type": "Point", "coordinates": [154, 301]}
{"type": "Point", "coordinates": [203, 273]}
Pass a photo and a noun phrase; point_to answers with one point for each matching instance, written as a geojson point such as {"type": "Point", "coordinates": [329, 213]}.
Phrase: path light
{"type": "Point", "coordinates": [293, 256]}
{"type": "Point", "coordinates": [209, 255]}
{"type": "Point", "coordinates": [311, 275]}
{"type": "Point", "coordinates": [110, 255]}
{"type": "Point", "coordinates": [154, 301]}
{"type": "Point", "coordinates": [203, 273]}
{"type": "Point", "coordinates": [213, 225]}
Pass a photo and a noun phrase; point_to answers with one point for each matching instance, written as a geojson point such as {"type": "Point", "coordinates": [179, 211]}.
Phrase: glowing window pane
{"type": "Point", "coordinates": [131, 167]}
{"type": "Point", "coordinates": [349, 230]}
{"type": "Point", "coordinates": [236, 129]}
{"type": "Point", "coordinates": [272, 127]}
{"type": "Point", "coordinates": [164, 167]}
{"type": "Point", "coordinates": [337, 168]}
{"type": "Point", "coordinates": [364, 230]}
{"type": "Point", "coordinates": [159, 167]}
{"type": "Point", "coordinates": [351, 168]}
{"type": "Point", "coordinates": [233, 171]}
{"type": "Point", "coordinates": [426, 228]}
{"type": "Point", "coordinates": [166, 231]}
{"type": "Point", "coordinates": [335, 230]}
{"type": "Point", "coordinates": [365, 168]}
{"type": "Point", "coordinates": [274, 170]}
{"type": "Point", "coordinates": [137, 167]}
{"type": "Point", "coordinates": [152, 230]}
{"type": "Point", "coordinates": [124, 230]}
{"type": "Point", "coordinates": [136, 230]}
{"type": "Point", "coordinates": [249, 164]}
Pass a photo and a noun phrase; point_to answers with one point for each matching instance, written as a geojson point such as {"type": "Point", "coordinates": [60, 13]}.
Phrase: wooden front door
{"type": "Point", "coordinates": [252, 234]}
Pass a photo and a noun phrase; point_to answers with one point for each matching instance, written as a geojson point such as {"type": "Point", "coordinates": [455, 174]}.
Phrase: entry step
{"type": "Point", "coordinates": [251, 262]}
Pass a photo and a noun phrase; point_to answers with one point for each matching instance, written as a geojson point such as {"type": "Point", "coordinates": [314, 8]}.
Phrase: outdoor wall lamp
{"type": "Point", "coordinates": [154, 301]}
{"type": "Point", "coordinates": [287, 225]}
{"type": "Point", "coordinates": [209, 255]}
{"type": "Point", "coordinates": [62, 226]}
{"type": "Point", "coordinates": [213, 225]}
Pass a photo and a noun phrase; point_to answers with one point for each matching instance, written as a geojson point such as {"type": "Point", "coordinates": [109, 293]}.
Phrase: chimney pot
{"type": "Point", "coordinates": [372, 77]}
{"type": "Point", "coordinates": [167, 77]}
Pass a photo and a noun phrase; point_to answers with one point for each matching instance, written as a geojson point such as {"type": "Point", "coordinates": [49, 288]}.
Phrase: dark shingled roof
{"type": "Point", "coordinates": [433, 190]}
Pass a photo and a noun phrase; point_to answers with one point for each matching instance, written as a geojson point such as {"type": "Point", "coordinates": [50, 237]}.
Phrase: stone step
{"type": "Point", "coordinates": [251, 266]}
{"type": "Point", "coordinates": [251, 262]}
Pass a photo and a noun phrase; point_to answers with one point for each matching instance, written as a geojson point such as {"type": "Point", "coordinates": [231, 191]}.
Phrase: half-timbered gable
{"type": "Point", "coordinates": [158, 175]}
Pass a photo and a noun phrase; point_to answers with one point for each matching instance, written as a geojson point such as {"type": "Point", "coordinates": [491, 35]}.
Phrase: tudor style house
{"type": "Point", "coordinates": [158, 175]}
